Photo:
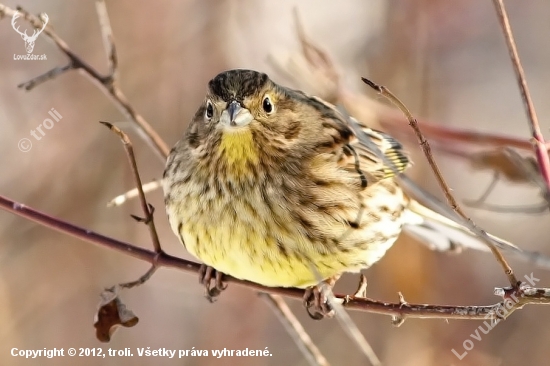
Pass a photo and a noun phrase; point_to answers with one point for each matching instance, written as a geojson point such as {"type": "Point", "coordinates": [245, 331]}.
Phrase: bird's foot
{"type": "Point", "coordinates": [315, 300]}
{"type": "Point", "coordinates": [206, 275]}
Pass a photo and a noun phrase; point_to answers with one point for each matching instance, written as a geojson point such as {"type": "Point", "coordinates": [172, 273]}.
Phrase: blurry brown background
{"type": "Point", "coordinates": [446, 59]}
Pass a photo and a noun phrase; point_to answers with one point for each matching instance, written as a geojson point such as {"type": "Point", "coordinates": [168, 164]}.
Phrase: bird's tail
{"type": "Point", "coordinates": [445, 234]}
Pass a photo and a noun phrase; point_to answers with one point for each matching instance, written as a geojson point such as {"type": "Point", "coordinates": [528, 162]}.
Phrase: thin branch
{"type": "Point", "coordinates": [133, 193]}
{"type": "Point", "coordinates": [536, 208]}
{"type": "Point", "coordinates": [481, 200]}
{"type": "Point", "coordinates": [52, 74]}
{"type": "Point", "coordinates": [446, 190]}
{"type": "Point", "coordinates": [539, 145]}
{"type": "Point", "coordinates": [108, 40]}
{"type": "Point", "coordinates": [446, 134]}
{"type": "Point", "coordinates": [147, 208]}
{"type": "Point", "coordinates": [316, 58]}
{"type": "Point", "coordinates": [526, 294]}
{"type": "Point", "coordinates": [436, 205]}
{"type": "Point", "coordinates": [105, 83]}
{"type": "Point", "coordinates": [140, 281]}
{"type": "Point", "coordinates": [337, 310]}
{"type": "Point", "coordinates": [350, 327]}
{"type": "Point", "coordinates": [312, 354]}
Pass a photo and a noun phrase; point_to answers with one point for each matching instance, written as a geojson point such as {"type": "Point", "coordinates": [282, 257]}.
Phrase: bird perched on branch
{"type": "Point", "coordinates": [273, 186]}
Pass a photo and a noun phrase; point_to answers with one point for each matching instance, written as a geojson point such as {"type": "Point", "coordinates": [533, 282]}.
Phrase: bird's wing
{"type": "Point", "coordinates": [385, 157]}
{"type": "Point", "coordinates": [375, 153]}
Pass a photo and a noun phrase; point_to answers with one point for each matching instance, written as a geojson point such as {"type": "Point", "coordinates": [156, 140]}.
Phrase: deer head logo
{"type": "Point", "coordinates": [29, 40]}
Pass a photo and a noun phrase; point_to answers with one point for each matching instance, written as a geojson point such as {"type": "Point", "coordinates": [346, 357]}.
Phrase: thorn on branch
{"type": "Point", "coordinates": [402, 301]}
{"type": "Point", "coordinates": [362, 287]}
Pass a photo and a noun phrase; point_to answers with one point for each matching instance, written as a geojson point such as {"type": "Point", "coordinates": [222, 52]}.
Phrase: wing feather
{"type": "Point", "coordinates": [390, 159]}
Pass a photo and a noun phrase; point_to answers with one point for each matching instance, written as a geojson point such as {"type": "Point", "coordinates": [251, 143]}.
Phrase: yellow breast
{"type": "Point", "coordinates": [253, 231]}
{"type": "Point", "coordinates": [243, 237]}
{"type": "Point", "coordinates": [239, 150]}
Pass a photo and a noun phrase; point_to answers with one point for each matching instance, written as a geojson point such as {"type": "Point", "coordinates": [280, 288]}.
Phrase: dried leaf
{"type": "Point", "coordinates": [111, 314]}
{"type": "Point", "coordinates": [511, 165]}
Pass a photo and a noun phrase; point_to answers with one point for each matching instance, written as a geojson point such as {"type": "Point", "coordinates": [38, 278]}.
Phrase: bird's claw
{"type": "Point", "coordinates": [316, 303]}
{"type": "Point", "coordinates": [206, 275]}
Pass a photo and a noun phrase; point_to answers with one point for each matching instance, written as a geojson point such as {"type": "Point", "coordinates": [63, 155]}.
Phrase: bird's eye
{"type": "Point", "coordinates": [267, 105]}
{"type": "Point", "coordinates": [209, 110]}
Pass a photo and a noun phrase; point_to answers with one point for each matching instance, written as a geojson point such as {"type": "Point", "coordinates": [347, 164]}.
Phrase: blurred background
{"type": "Point", "coordinates": [446, 60]}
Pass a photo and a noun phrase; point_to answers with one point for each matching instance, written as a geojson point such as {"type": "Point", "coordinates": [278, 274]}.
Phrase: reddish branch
{"type": "Point", "coordinates": [539, 145]}
{"type": "Point", "coordinates": [399, 311]}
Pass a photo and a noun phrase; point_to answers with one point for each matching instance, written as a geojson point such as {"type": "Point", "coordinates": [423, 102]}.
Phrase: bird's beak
{"type": "Point", "coordinates": [235, 115]}
{"type": "Point", "coordinates": [233, 108]}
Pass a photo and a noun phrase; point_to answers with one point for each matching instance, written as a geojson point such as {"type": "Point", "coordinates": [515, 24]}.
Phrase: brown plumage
{"type": "Point", "coordinates": [272, 186]}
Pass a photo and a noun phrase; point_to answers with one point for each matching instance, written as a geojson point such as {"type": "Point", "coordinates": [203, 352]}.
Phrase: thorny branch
{"type": "Point", "coordinates": [443, 184]}
{"type": "Point", "coordinates": [399, 311]}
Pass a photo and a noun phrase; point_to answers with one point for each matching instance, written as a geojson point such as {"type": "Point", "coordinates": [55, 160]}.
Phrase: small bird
{"type": "Point", "coordinates": [273, 186]}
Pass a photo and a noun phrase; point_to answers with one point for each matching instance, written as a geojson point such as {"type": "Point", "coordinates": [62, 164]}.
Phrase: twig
{"type": "Point", "coordinates": [434, 204]}
{"type": "Point", "coordinates": [479, 201]}
{"type": "Point", "coordinates": [147, 208]}
{"type": "Point", "coordinates": [147, 187]}
{"type": "Point", "coordinates": [350, 327]}
{"type": "Point", "coordinates": [312, 354]}
{"type": "Point", "coordinates": [343, 318]}
{"type": "Point", "coordinates": [52, 74]}
{"type": "Point", "coordinates": [106, 83]}
{"type": "Point", "coordinates": [446, 190]}
{"type": "Point", "coordinates": [539, 145]}
{"type": "Point", "coordinates": [536, 208]}
{"type": "Point", "coordinates": [314, 56]}
{"type": "Point", "coordinates": [140, 281]}
{"type": "Point", "coordinates": [527, 295]}
{"type": "Point", "coordinates": [448, 133]}
{"type": "Point", "coordinates": [108, 40]}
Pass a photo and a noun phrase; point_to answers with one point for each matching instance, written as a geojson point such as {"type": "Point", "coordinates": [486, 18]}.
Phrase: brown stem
{"type": "Point", "coordinates": [539, 145]}
{"type": "Point", "coordinates": [147, 208]}
{"type": "Point", "coordinates": [105, 83]}
{"type": "Point", "coordinates": [443, 184]}
{"type": "Point", "coordinates": [526, 295]}
{"type": "Point", "coordinates": [311, 352]}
